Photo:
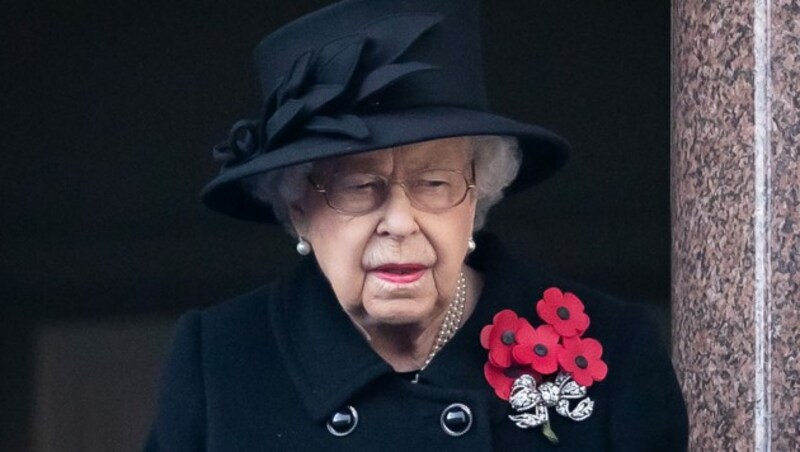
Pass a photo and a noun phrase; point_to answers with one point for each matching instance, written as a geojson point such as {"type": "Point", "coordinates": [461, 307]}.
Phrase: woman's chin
{"type": "Point", "coordinates": [398, 312]}
{"type": "Point", "coordinates": [392, 303]}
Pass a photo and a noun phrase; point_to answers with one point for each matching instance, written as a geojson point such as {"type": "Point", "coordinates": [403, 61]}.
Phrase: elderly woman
{"type": "Point", "coordinates": [402, 328]}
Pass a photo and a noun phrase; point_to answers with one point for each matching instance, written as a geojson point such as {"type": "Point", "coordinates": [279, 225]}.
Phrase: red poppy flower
{"type": "Point", "coordinates": [500, 337]}
{"type": "Point", "coordinates": [581, 358]}
{"type": "Point", "coordinates": [501, 379]}
{"type": "Point", "coordinates": [564, 311]}
{"type": "Point", "coordinates": [537, 347]}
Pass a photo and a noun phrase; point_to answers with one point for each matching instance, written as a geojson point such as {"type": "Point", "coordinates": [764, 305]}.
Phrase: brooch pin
{"type": "Point", "coordinates": [549, 366]}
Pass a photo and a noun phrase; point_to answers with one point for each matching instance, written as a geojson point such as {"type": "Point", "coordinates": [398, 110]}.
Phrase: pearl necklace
{"type": "Point", "coordinates": [450, 324]}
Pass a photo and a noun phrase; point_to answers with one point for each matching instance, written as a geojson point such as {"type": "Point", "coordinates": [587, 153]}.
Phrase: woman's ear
{"type": "Point", "coordinates": [473, 201]}
{"type": "Point", "coordinates": [298, 217]}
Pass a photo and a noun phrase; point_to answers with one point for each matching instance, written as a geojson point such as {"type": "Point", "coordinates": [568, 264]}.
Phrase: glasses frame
{"type": "Point", "coordinates": [320, 188]}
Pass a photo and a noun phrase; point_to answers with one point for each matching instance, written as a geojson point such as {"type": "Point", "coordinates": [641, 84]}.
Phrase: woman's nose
{"type": "Point", "coordinates": [398, 215]}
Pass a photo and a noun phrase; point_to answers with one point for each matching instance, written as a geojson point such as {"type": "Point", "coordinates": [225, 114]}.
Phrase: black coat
{"type": "Point", "coordinates": [267, 370]}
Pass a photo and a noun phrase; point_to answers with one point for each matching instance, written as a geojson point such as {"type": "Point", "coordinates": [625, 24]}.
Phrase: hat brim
{"type": "Point", "coordinates": [543, 151]}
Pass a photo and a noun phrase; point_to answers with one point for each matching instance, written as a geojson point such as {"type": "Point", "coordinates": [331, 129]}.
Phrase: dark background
{"type": "Point", "coordinates": [110, 109]}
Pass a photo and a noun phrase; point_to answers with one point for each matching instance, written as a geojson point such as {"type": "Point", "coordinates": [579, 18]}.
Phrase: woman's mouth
{"type": "Point", "coordinates": [400, 273]}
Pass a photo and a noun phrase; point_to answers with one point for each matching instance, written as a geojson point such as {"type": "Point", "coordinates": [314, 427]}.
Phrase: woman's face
{"type": "Point", "coordinates": [396, 265]}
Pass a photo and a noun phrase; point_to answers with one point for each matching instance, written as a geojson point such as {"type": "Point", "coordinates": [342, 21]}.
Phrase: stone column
{"type": "Point", "coordinates": [736, 221]}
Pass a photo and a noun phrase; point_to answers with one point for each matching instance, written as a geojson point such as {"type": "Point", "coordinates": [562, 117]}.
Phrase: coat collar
{"type": "Point", "coordinates": [330, 361]}
{"type": "Point", "coordinates": [326, 357]}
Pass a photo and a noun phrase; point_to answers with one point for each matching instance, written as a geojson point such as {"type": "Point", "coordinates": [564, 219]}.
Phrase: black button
{"type": "Point", "coordinates": [343, 422]}
{"type": "Point", "coordinates": [456, 419]}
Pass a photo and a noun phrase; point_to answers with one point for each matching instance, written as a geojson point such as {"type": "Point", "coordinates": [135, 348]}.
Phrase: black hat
{"type": "Point", "coordinates": [362, 75]}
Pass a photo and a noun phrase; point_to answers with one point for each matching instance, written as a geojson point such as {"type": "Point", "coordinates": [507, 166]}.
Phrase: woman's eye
{"type": "Point", "coordinates": [359, 184]}
{"type": "Point", "coordinates": [363, 186]}
{"type": "Point", "coordinates": [432, 183]}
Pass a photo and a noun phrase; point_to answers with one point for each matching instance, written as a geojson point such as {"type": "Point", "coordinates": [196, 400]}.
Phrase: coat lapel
{"type": "Point", "coordinates": [325, 356]}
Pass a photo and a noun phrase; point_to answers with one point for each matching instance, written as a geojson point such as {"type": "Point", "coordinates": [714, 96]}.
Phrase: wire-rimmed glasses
{"type": "Point", "coordinates": [431, 190]}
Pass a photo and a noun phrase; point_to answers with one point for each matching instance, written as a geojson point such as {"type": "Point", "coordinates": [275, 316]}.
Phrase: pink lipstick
{"type": "Point", "coordinates": [400, 273]}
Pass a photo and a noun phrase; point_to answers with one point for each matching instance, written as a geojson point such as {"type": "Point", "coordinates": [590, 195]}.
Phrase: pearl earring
{"type": "Point", "coordinates": [303, 247]}
{"type": "Point", "coordinates": [471, 245]}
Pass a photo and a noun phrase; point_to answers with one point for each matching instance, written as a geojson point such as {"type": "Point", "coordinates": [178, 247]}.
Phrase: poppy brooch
{"type": "Point", "coordinates": [538, 368]}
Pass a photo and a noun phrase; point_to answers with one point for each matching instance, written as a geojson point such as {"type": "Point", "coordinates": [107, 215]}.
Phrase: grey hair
{"type": "Point", "coordinates": [497, 161]}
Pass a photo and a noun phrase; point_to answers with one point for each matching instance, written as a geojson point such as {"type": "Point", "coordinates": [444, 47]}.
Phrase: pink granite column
{"type": "Point", "coordinates": [736, 221]}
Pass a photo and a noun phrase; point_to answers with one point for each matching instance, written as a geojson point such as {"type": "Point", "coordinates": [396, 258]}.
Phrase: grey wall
{"type": "Point", "coordinates": [109, 110]}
